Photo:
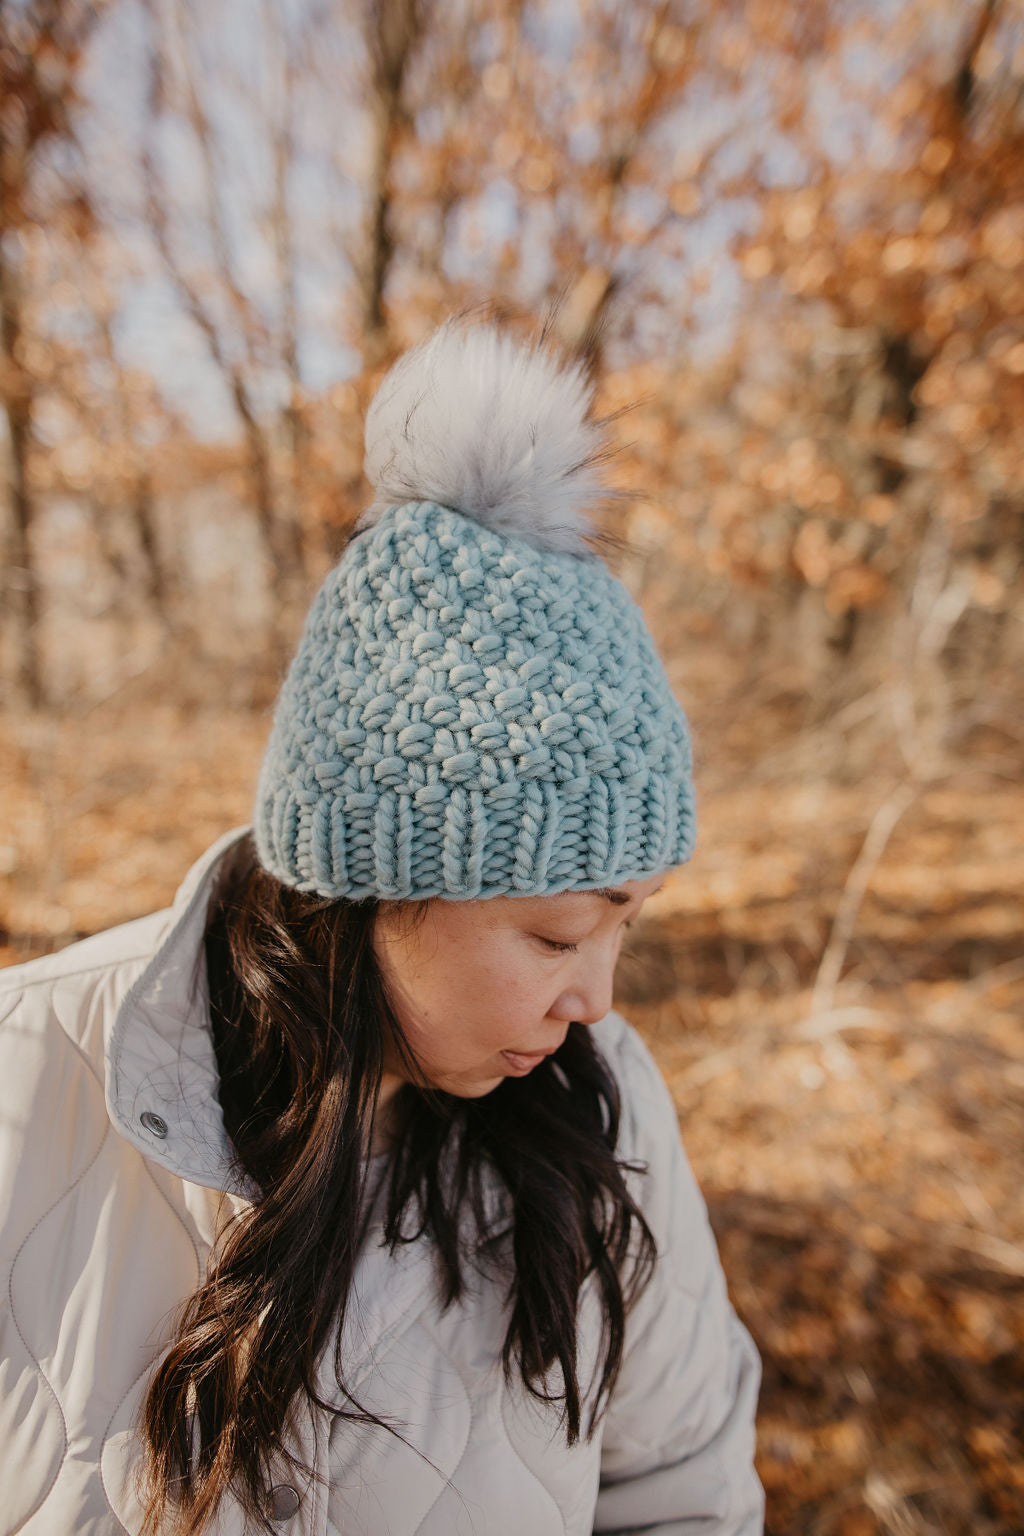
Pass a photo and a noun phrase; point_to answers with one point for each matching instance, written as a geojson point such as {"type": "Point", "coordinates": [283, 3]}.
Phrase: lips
{"type": "Point", "coordinates": [521, 1062]}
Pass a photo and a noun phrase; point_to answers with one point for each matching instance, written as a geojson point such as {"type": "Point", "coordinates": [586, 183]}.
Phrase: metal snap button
{"type": "Point", "coordinates": [284, 1502]}
{"type": "Point", "coordinates": [154, 1123]}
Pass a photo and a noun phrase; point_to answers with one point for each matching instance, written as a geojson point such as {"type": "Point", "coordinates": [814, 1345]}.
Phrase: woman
{"type": "Point", "coordinates": [336, 1198]}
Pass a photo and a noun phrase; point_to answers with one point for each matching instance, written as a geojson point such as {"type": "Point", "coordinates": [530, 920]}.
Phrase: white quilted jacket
{"type": "Point", "coordinates": [114, 1176]}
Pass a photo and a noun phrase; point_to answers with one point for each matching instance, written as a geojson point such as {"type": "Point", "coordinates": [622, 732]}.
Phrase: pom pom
{"type": "Point", "coordinates": [496, 429]}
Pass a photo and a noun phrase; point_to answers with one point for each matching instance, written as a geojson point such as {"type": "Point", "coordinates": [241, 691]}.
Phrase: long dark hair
{"type": "Point", "coordinates": [300, 1022]}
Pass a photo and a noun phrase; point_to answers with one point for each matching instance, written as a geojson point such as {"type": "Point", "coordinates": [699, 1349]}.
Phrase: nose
{"type": "Point", "coordinates": [589, 995]}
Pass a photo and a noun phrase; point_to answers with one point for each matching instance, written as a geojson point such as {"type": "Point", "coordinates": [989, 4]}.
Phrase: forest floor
{"type": "Point", "coordinates": [857, 1126]}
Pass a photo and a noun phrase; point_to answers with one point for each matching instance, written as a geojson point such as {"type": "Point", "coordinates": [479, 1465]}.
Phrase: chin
{"type": "Point", "coordinates": [476, 1090]}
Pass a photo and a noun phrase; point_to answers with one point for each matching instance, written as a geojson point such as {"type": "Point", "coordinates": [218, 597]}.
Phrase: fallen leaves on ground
{"type": "Point", "coordinates": [861, 1163]}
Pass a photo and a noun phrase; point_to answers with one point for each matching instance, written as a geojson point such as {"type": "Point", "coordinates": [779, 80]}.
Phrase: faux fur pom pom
{"type": "Point", "coordinates": [500, 431]}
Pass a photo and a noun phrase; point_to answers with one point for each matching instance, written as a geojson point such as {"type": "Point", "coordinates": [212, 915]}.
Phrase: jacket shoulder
{"type": "Point", "coordinates": [134, 940]}
{"type": "Point", "coordinates": [77, 990]}
{"type": "Point", "coordinates": [641, 1085]}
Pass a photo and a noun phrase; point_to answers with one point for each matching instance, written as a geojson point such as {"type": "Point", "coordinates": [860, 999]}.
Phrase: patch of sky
{"type": "Point", "coordinates": [480, 226]}
{"type": "Point", "coordinates": [65, 318]}
{"type": "Point", "coordinates": [875, 72]}
{"type": "Point", "coordinates": [710, 236]}
{"type": "Point", "coordinates": [500, 209]}
{"type": "Point", "coordinates": [703, 247]}
{"type": "Point", "coordinates": [102, 375]}
{"type": "Point", "coordinates": [114, 87]}
{"type": "Point", "coordinates": [584, 141]}
{"type": "Point", "coordinates": [51, 421]}
{"type": "Point", "coordinates": [733, 156]}
{"type": "Point", "coordinates": [151, 334]}
{"type": "Point", "coordinates": [244, 154]}
{"type": "Point", "coordinates": [240, 212]}
{"type": "Point", "coordinates": [296, 15]}
{"type": "Point", "coordinates": [239, 85]}
{"type": "Point", "coordinates": [324, 357]}
{"type": "Point", "coordinates": [656, 334]}
{"type": "Point", "coordinates": [179, 164]}
{"type": "Point", "coordinates": [56, 160]}
{"type": "Point", "coordinates": [866, 64]}
{"type": "Point", "coordinates": [229, 46]}
{"type": "Point", "coordinates": [535, 269]}
{"type": "Point", "coordinates": [325, 198]}
{"type": "Point", "coordinates": [553, 27]}
{"type": "Point", "coordinates": [311, 181]}
{"type": "Point", "coordinates": [881, 146]}
{"type": "Point", "coordinates": [643, 206]}
{"type": "Point", "coordinates": [333, 70]}
{"type": "Point", "coordinates": [326, 361]}
{"type": "Point", "coordinates": [430, 123]}
{"type": "Point", "coordinates": [716, 311]}
{"type": "Point", "coordinates": [839, 125]}
{"type": "Point", "coordinates": [486, 44]}
{"type": "Point", "coordinates": [113, 81]}
{"type": "Point", "coordinates": [270, 389]}
{"type": "Point", "coordinates": [851, 205]}
{"type": "Point", "coordinates": [460, 261]}
{"type": "Point", "coordinates": [707, 117]}
{"type": "Point", "coordinates": [940, 31]}
{"type": "Point", "coordinates": [917, 31]}
{"type": "Point", "coordinates": [782, 163]}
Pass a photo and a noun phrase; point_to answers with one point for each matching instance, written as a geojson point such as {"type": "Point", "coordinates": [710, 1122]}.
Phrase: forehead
{"type": "Point", "coordinates": [451, 916]}
{"type": "Point", "coordinates": [619, 895]}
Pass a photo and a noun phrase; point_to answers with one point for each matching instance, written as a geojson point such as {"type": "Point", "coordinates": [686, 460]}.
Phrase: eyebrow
{"type": "Point", "coordinates": [617, 898]}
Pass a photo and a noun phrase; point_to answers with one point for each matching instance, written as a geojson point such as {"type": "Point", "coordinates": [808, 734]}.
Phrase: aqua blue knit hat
{"type": "Point", "coordinates": [476, 707]}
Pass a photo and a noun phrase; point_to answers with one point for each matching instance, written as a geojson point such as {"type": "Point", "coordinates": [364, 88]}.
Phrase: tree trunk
{"type": "Point", "coordinates": [145, 529]}
{"type": "Point", "coordinates": [393, 32]}
{"type": "Point", "coordinates": [17, 406]}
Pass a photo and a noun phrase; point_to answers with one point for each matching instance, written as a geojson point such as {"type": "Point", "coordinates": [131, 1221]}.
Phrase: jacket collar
{"type": "Point", "coordinates": [160, 1061]}
{"type": "Point", "coordinates": [161, 1069]}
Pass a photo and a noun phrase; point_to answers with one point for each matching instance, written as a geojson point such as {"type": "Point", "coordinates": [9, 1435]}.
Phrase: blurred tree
{"type": "Point", "coordinates": [393, 29]}
{"type": "Point", "coordinates": [283, 91]}
{"type": "Point", "coordinates": [540, 165]}
{"type": "Point", "coordinates": [793, 228]}
{"type": "Point", "coordinates": [42, 48]}
{"type": "Point", "coordinates": [114, 418]}
{"type": "Point", "coordinates": [794, 232]}
{"type": "Point", "coordinates": [884, 434]}
{"type": "Point", "coordinates": [238, 337]}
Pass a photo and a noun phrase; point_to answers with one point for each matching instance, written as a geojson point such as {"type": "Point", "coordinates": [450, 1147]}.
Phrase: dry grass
{"type": "Point", "coordinates": [859, 1144]}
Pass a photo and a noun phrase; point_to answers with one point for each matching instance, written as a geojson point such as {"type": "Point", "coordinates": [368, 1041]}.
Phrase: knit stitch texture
{"type": "Point", "coordinates": [470, 715]}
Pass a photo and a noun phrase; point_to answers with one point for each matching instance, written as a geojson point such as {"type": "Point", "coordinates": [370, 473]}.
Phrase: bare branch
{"type": "Point", "coordinates": [280, 556]}
{"type": "Point", "coordinates": [393, 29]}
{"type": "Point", "coordinates": [883, 824]}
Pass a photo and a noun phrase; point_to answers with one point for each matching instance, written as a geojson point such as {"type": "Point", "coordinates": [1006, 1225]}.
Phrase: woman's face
{"type": "Point", "coordinates": [486, 989]}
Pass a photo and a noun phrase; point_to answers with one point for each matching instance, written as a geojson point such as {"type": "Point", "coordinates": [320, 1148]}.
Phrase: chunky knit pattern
{"type": "Point", "coordinates": [470, 715]}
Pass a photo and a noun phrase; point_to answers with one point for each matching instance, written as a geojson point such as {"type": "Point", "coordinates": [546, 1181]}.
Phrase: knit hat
{"type": "Point", "coordinates": [476, 707]}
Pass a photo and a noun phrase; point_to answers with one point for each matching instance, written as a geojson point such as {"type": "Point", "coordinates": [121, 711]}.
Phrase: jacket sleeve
{"type": "Point", "coordinates": [678, 1440]}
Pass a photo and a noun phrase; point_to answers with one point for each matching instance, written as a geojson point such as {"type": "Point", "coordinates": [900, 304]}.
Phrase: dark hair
{"type": "Point", "coordinates": [300, 1022]}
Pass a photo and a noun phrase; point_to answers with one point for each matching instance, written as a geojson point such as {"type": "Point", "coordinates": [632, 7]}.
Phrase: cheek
{"type": "Point", "coordinates": [482, 1012]}
{"type": "Point", "coordinates": [463, 996]}
{"type": "Point", "coordinates": [514, 987]}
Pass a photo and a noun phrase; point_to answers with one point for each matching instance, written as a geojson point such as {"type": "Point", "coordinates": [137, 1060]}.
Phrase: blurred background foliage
{"type": "Point", "coordinates": [789, 237]}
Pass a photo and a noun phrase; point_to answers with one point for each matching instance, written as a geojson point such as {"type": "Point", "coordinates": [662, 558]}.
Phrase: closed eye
{"type": "Point", "coordinates": [558, 945]}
